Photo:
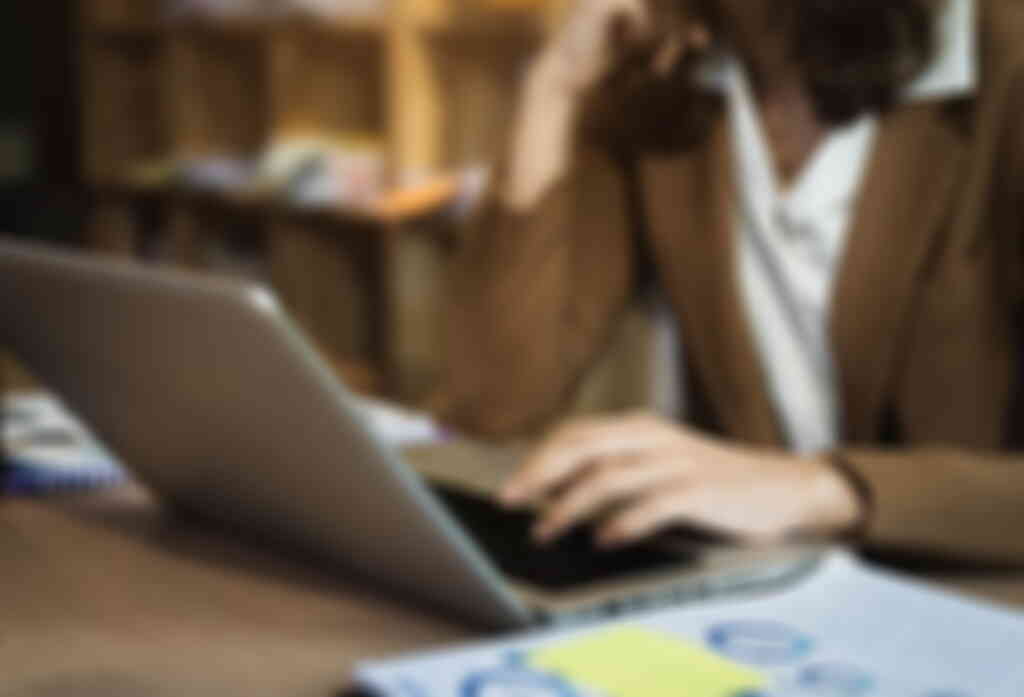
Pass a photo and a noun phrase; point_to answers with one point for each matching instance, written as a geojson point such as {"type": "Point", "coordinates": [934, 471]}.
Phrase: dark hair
{"type": "Point", "coordinates": [855, 55]}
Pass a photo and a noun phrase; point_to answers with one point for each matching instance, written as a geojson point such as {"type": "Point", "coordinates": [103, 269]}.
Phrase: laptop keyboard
{"type": "Point", "coordinates": [571, 561]}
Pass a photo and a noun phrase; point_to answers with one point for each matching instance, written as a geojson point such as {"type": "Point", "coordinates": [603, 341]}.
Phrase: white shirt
{"type": "Point", "coordinates": [790, 243]}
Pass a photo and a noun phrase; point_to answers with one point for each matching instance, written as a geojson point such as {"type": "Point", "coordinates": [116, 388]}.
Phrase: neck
{"type": "Point", "coordinates": [760, 32]}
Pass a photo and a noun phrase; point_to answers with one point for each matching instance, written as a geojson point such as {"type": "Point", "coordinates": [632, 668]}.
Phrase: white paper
{"type": "Point", "coordinates": [38, 431]}
{"type": "Point", "coordinates": [398, 426]}
{"type": "Point", "coordinates": [846, 631]}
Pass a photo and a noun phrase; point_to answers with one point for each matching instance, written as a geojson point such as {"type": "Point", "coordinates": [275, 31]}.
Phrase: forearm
{"type": "Point", "coordinates": [535, 295]}
{"type": "Point", "coordinates": [542, 135]}
{"type": "Point", "coordinates": [955, 503]}
{"type": "Point", "coordinates": [504, 360]}
{"type": "Point", "coordinates": [545, 265]}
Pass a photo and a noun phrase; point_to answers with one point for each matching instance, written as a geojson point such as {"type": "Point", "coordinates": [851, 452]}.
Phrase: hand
{"type": "Point", "coordinates": [654, 474]}
{"type": "Point", "coordinates": [601, 35]}
{"type": "Point", "coordinates": [598, 39]}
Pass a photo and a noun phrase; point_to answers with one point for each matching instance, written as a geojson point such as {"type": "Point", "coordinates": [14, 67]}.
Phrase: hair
{"type": "Point", "coordinates": [855, 56]}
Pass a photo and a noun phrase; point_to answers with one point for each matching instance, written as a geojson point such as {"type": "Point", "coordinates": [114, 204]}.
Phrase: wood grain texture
{"type": "Point", "coordinates": [109, 595]}
{"type": "Point", "coordinates": [112, 597]}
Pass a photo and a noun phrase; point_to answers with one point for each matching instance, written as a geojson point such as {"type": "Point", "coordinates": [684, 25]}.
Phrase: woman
{"type": "Point", "coordinates": [831, 197]}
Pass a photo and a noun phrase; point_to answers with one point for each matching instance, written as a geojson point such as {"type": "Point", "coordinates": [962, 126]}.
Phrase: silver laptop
{"type": "Point", "coordinates": [213, 397]}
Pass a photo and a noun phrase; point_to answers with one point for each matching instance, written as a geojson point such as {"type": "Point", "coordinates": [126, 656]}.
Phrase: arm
{"type": "Point", "coordinates": [959, 503]}
{"type": "Point", "coordinates": [965, 506]}
{"type": "Point", "coordinates": [542, 273]}
{"type": "Point", "coordinates": [548, 264]}
{"type": "Point", "coordinates": [962, 504]}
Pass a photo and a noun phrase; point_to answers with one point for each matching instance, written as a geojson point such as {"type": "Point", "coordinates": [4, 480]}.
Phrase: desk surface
{"type": "Point", "coordinates": [108, 596]}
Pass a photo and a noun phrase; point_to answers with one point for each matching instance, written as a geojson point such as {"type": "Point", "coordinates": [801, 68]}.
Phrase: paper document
{"type": "Point", "coordinates": [49, 450]}
{"type": "Point", "coordinates": [848, 630]}
{"type": "Point", "coordinates": [397, 425]}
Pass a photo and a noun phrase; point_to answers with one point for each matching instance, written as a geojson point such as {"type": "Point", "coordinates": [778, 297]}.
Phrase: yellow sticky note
{"type": "Point", "coordinates": [637, 662]}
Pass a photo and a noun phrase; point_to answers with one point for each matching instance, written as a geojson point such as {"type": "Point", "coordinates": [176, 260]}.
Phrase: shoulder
{"type": "Point", "coordinates": [1001, 38]}
{"type": "Point", "coordinates": [1000, 95]}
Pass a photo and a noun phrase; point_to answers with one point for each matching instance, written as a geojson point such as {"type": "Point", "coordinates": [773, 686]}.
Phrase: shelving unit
{"type": "Point", "coordinates": [432, 81]}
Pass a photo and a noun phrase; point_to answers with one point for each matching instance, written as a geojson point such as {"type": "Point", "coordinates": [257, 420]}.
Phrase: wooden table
{"type": "Point", "coordinates": [108, 596]}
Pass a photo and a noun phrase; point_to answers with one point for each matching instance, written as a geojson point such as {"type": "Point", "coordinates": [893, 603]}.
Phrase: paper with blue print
{"type": "Point", "coordinates": [848, 630]}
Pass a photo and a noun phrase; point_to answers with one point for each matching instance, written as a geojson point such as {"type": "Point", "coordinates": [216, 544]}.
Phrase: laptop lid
{"type": "Point", "coordinates": [211, 395]}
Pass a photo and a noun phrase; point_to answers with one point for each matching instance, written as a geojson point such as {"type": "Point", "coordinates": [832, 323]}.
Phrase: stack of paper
{"type": "Point", "coordinates": [49, 450]}
{"type": "Point", "coordinates": [846, 631]}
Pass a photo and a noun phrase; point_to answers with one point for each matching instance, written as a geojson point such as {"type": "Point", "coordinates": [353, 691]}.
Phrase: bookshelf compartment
{"type": "Point", "coordinates": [121, 14]}
{"type": "Point", "coordinates": [263, 136]}
{"type": "Point", "coordinates": [328, 81]}
{"type": "Point", "coordinates": [326, 278]}
{"type": "Point", "coordinates": [218, 88]}
{"type": "Point", "coordinates": [480, 76]}
{"type": "Point", "coordinates": [123, 116]}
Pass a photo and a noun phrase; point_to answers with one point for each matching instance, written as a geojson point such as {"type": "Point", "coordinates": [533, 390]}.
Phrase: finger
{"type": "Point", "coordinates": [556, 463]}
{"type": "Point", "coordinates": [699, 37]}
{"type": "Point", "coordinates": [599, 29]}
{"type": "Point", "coordinates": [649, 516]}
{"type": "Point", "coordinates": [612, 481]}
{"type": "Point", "coordinates": [554, 449]}
{"type": "Point", "coordinates": [630, 35]}
{"type": "Point", "coordinates": [678, 46]}
{"type": "Point", "coordinates": [576, 446]}
{"type": "Point", "coordinates": [630, 23]}
{"type": "Point", "coordinates": [573, 448]}
{"type": "Point", "coordinates": [668, 55]}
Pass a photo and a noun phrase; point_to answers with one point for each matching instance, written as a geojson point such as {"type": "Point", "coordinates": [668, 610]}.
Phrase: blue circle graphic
{"type": "Point", "coordinates": [515, 681]}
{"type": "Point", "coordinates": [764, 643]}
{"type": "Point", "coordinates": [836, 680]}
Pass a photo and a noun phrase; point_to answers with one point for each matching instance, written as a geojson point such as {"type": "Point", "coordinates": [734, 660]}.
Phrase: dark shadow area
{"type": "Point", "coordinates": [132, 511]}
{"type": "Point", "coordinates": [41, 195]}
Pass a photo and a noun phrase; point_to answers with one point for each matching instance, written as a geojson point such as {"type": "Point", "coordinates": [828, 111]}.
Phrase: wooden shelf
{"type": "Point", "coordinates": [262, 207]}
{"type": "Point", "coordinates": [214, 28]}
{"type": "Point", "coordinates": [517, 34]}
{"type": "Point", "coordinates": [126, 33]}
{"type": "Point", "coordinates": [341, 28]}
{"type": "Point", "coordinates": [431, 82]}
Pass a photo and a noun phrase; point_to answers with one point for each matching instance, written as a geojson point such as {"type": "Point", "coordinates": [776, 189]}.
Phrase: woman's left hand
{"type": "Point", "coordinates": [653, 474]}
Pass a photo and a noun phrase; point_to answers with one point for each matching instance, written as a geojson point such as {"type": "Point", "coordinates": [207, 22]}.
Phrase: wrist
{"type": "Point", "coordinates": [837, 507]}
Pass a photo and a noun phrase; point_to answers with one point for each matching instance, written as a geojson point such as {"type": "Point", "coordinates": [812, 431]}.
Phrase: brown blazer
{"type": "Point", "coordinates": [924, 324]}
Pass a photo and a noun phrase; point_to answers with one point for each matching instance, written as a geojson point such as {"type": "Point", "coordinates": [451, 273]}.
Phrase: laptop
{"type": "Point", "coordinates": [213, 397]}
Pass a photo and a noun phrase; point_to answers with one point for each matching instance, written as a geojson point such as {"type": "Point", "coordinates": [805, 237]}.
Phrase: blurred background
{"type": "Point", "coordinates": [325, 147]}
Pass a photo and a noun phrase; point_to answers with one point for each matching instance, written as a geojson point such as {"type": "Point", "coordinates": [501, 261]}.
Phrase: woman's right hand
{"type": "Point", "coordinates": [600, 37]}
